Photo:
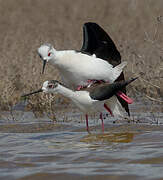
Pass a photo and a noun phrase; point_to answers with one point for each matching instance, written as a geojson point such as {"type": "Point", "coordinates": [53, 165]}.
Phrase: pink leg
{"type": "Point", "coordinates": [102, 122]}
{"type": "Point", "coordinates": [125, 97]}
{"type": "Point", "coordinates": [86, 117]}
{"type": "Point", "coordinates": [108, 109]}
{"type": "Point", "coordinates": [78, 88]}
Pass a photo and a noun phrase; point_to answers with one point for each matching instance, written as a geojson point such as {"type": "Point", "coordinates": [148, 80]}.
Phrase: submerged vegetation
{"type": "Point", "coordinates": [25, 25]}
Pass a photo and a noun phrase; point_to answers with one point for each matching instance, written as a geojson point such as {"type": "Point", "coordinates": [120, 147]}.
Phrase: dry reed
{"type": "Point", "coordinates": [135, 27]}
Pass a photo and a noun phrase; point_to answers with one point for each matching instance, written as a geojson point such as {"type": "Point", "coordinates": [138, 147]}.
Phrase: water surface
{"type": "Point", "coordinates": [37, 149]}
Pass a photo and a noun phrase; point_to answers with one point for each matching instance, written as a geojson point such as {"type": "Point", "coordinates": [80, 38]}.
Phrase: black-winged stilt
{"type": "Point", "coordinates": [90, 99]}
{"type": "Point", "coordinates": [97, 60]}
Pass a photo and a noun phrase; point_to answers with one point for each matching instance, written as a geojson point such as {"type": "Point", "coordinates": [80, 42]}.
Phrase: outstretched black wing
{"type": "Point", "coordinates": [97, 41]}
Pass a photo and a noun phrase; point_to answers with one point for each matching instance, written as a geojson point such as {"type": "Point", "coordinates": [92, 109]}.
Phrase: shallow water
{"type": "Point", "coordinates": [39, 149]}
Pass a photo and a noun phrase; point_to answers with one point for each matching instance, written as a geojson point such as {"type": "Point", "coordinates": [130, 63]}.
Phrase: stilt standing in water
{"type": "Point", "coordinates": [91, 99]}
{"type": "Point", "coordinates": [95, 61]}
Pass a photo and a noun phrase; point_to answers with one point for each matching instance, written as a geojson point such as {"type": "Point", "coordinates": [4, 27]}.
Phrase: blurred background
{"type": "Point", "coordinates": [135, 27]}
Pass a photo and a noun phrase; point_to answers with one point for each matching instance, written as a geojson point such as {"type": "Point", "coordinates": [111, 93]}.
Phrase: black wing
{"type": "Point", "coordinates": [105, 91]}
{"type": "Point", "coordinates": [97, 41]}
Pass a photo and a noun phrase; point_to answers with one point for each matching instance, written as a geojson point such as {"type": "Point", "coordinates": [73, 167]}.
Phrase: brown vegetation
{"type": "Point", "coordinates": [135, 26]}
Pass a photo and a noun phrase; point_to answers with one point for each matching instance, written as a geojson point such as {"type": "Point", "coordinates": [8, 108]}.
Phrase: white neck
{"type": "Point", "coordinates": [55, 52]}
{"type": "Point", "coordinates": [65, 91]}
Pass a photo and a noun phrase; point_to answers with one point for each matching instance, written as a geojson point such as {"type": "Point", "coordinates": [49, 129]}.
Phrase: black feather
{"type": "Point", "coordinates": [106, 91]}
{"type": "Point", "coordinates": [97, 41]}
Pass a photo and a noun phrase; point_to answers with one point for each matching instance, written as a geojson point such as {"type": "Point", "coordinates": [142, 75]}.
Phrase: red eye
{"type": "Point", "coordinates": [49, 54]}
{"type": "Point", "coordinates": [50, 86]}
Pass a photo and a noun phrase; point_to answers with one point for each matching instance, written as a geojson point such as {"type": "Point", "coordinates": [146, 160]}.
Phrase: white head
{"type": "Point", "coordinates": [48, 87]}
{"type": "Point", "coordinates": [46, 53]}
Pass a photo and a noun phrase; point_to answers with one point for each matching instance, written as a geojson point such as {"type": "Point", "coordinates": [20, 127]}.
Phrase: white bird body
{"type": "Point", "coordinates": [76, 68]}
{"type": "Point", "coordinates": [97, 60]}
{"type": "Point", "coordinates": [91, 99]}
{"type": "Point", "coordinates": [83, 100]}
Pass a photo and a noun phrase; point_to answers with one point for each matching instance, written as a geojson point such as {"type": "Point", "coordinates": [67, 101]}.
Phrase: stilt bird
{"type": "Point", "coordinates": [90, 99]}
{"type": "Point", "coordinates": [98, 59]}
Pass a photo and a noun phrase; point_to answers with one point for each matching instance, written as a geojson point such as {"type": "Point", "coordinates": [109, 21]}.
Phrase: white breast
{"type": "Point", "coordinates": [77, 68]}
{"type": "Point", "coordinates": [83, 101]}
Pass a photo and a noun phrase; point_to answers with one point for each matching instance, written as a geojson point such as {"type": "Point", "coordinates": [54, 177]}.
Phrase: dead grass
{"type": "Point", "coordinates": [135, 26]}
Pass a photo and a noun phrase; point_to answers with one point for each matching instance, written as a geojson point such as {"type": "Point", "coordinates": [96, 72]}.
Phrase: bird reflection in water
{"type": "Point", "coordinates": [124, 137]}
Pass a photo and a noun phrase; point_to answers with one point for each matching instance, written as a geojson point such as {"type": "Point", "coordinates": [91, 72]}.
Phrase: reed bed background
{"type": "Point", "coordinates": [135, 27]}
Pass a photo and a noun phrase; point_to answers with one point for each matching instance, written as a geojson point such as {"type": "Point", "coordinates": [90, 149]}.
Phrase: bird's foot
{"type": "Point", "coordinates": [79, 88]}
{"type": "Point", "coordinates": [94, 81]}
{"type": "Point", "coordinates": [89, 83]}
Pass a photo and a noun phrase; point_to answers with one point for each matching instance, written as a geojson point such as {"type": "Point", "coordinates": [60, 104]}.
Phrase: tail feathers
{"type": "Point", "coordinates": [130, 81]}
{"type": "Point", "coordinates": [133, 79]}
{"type": "Point", "coordinates": [115, 107]}
{"type": "Point", "coordinates": [123, 84]}
{"type": "Point", "coordinates": [118, 70]}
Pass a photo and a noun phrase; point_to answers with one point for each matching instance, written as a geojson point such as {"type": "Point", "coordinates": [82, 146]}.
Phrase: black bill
{"type": "Point", "coordinates": [44, 64]}
{"type": "Point", "coordinates": [38, 91]}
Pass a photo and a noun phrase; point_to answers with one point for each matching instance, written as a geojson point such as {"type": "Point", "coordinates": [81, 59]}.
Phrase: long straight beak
{"type": "Point", "coordinates": [44, 64]}
{"type": "Point", "coordinates": [38, 91]}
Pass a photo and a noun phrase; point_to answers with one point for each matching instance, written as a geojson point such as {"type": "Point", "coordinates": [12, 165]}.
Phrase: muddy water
{"type": "Point", "coordinates": [38, 149]}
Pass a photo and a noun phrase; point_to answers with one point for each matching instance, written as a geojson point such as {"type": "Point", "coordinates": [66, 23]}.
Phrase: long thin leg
{"type": "Point", "coordinates": [86, 117]}
{"type": "Point", "coordinates": [108, 109]}
{"type": "Point", "coordinates": [102, 122]}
